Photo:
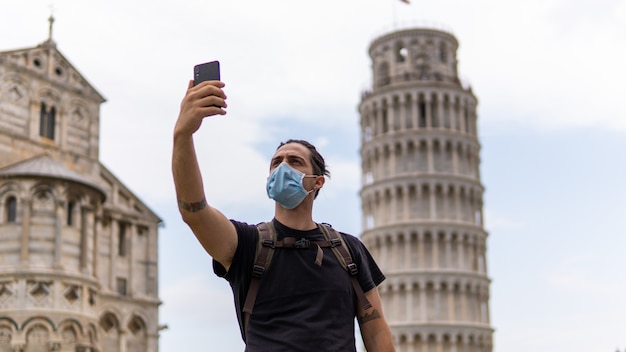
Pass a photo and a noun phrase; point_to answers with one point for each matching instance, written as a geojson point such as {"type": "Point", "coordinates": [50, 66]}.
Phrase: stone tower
{"type": "Point", "coordinates": [78, 250]}
{"type": "Point", "coordinates": [421, 194]}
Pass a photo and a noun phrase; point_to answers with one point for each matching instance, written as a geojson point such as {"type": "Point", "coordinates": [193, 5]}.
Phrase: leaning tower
{"type": "Point", "coordinates": [421, 194]}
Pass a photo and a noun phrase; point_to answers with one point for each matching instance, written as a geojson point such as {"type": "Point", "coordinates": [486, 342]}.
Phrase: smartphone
{"type": "Point", "coordinates": [208, 71]}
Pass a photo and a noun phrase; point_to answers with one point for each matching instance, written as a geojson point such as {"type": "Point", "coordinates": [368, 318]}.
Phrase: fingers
{"type": "Point", "coordinates": [206, 98]}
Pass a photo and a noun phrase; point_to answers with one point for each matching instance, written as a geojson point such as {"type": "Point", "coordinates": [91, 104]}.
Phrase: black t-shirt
{"type": "Point", "coordinates": [300, 306]}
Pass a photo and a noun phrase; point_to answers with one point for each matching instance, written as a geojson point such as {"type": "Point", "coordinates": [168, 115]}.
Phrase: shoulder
{"type": "Point", "coordinates": [352, 241]}
{"type": "Point", "coordinates": [247, 236]}
{"type": "Point", "coordinates": [370, 274]}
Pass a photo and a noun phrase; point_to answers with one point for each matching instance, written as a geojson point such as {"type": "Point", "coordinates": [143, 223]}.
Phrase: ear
{"type": "Point", "coordinates": [319, 182]}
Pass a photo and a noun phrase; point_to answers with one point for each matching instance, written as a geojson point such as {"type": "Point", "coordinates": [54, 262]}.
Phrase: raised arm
{"type": "Point", "coordinates": [214, 231]}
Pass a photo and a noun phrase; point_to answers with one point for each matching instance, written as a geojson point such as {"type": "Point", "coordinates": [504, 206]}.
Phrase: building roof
{"type": "Point", "coordinates": [45, 166]}
{"type": "Point", "coordinates": [72, 78]}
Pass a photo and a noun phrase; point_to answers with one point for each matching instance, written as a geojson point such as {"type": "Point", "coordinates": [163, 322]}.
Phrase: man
{"type": "Point", "coordinates": [300, 306]}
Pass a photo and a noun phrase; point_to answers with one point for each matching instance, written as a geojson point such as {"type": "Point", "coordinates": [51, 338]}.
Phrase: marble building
{"type": "Point", "coordinates": [78, 250]}
{"type": "Point", "coordinates": [422, 195]}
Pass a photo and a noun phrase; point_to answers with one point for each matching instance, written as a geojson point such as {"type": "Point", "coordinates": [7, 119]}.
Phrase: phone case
{"type": "Point", "coordinates": [208, 71]}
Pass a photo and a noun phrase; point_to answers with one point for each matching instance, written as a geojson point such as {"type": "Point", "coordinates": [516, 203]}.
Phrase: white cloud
{"type": "Point", "coordinates": [193, 293]}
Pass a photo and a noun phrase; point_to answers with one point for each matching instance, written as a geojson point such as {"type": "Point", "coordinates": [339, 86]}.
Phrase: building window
{"type": "Point", "coordinates": [121, 240]}
{"type": "Point", "coordinates": [421, 108]}
{"type": "Point", "coordinates": [70, 213]}
{"type": "Point", "coordinates": [383, 74]}
{"type": "Point", "coordinates": [47, 121]}
{"type": "Point", "coordinates": [11, 209]}
{"type": "Point", "coordinates": [401, 53]}
{"type": "Point", "coordinates": [121, 286]}
{"type": "Point", "coordinates": [443, 53]}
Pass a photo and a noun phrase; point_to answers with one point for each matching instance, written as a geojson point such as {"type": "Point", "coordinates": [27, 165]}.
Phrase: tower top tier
{"type": "Point", "coordinates": [412, 56]}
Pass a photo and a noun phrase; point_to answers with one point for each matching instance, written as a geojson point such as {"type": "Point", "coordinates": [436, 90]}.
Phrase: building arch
{"type": "Point", "coordinates": [110, 328]}
{"type": "Point", "coordinates": [137, 337]}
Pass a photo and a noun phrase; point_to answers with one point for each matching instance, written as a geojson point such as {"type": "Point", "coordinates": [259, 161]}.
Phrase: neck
{"type": "Point", "coordinates": [298, 218]}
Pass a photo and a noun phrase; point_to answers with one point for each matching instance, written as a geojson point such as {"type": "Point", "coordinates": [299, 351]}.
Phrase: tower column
{"type": "Point", "coordinates": [415, 110]}
{"type": "Point", "coordinates": [429, 112]}
{"type": "Point", "coordinates": [406, 213]}
{"type": "Point", "coordinates": [402, 112]}
{"type": "Point", "coordinates": [448, 244]}
{"type": "Point", "coordinates": [430, 155]}
{"type": "Point", "coordinates": [393, 171]}
{"type": "Point", "coordinates": [432, 201]}
{"type": "Point", "coordinates": [423, 297]}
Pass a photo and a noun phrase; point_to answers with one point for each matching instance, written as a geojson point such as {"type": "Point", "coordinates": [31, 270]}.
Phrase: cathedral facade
{"type": "Point", "coordinates": [78, 250]}
{"type": "Point", "coordinates": [422, 196]}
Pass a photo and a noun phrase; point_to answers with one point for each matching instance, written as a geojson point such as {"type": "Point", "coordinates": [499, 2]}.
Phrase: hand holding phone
{"type": "Point", "coordinates": [208, 71]}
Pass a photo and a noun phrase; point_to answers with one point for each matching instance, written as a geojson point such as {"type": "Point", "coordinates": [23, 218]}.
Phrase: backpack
{"type": "Point", "coordinates": [268, 243]}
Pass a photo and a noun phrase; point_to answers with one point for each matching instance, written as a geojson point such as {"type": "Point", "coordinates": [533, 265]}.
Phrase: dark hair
{"type": "Point", "coordinates": [319, 165]}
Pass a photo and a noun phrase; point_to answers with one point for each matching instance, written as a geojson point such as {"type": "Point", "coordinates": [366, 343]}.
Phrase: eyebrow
{"type": "Point", "coordinates": [289, 157]}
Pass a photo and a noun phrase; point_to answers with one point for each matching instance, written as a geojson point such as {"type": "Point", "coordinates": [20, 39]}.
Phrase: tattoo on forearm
{"type": "Point", "coordinates": [368, 317]}
{"type": "Point", "coordinates": [192, 207]}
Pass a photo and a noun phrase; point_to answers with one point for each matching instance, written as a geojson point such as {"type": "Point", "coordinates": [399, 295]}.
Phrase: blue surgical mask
{"type": "Point", "coordinates": [284, 185]}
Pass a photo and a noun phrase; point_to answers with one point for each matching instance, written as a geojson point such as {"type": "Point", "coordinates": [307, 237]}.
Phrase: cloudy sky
{"type": "Point", "coordinates": [549, 75]}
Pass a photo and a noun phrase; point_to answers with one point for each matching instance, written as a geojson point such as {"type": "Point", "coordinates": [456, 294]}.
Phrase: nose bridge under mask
{"type": "Point", "coordinates": [284, 185]}
{"type": "Point", "coordinates": [285, 169]}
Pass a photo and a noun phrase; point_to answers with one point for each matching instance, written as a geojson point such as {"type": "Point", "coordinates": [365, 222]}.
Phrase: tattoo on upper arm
{"type": "Point", "coordinates": [192, 207]}
{"type": "Point", "coordinates": [368, 317]}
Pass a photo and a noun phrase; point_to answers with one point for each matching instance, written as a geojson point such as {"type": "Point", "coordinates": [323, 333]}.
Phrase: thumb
{"type": "Point", "coordinates": [190, 84]}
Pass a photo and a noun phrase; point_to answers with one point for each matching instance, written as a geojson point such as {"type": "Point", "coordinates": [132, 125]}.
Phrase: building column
{"type": "Point", "coordinates": [451, 312]}
{"type": "Point", "coordinates": [24, 253]}
{"type": "Point", "coordinates": [433, 201]}
{"type": "Point", "coordinates": [123, 336]}
{"type": "Point", "coordinates": [423, 306]}
{"type": "Point", "coordinates": [461, 252]}
{"type": "Point", "coordinates": [132, 238]}
{"type": "Point", "coordinates": [456, 216]}
{"type": "Point", "coordinates": [408, 293]}
{"type": "Point", "coordinates": [429, 112]}
{"type": "Point", "coordinates": [455, 159]}
{"type": "Point", "coordinates": [435, 249]}
{"type": "Point", "coordinates": [402, 113]}
{"type": "Point", "coordinates": [464, 303]}
{"type": "Point", "coordinates": [409, 248]}
{"type": "Point", "coordinates": [448, 244]}
{"type": "Point", "coordinates": [406, 210]}
{"type": "Point", "coordinates": [97, 222]}
{"type": "Point", "coordinates": [392, 160]}
{"type": "Point", "coordinates": [420, 249]}
{"type": "Point", "coordinates": [379, 118]}
{"type": "Point", "coordinates": [392, 212]}
{"type": "Point", "coordinates": [415, 110]}
{"type": "Point", "coordinates": [86, 217]}
{"type": "Point", "coordinates": [58, 239]}
{"type": "Point", "coordinates": [437, 294]}
{"type": "Point", "coordinates": [430, 156]}
{"type": "Point", "coordinates": [112, 252]}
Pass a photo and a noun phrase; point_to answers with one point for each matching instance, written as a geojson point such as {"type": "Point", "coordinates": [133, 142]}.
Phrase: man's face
{"type": "Point", "coordinates": [294, 154]}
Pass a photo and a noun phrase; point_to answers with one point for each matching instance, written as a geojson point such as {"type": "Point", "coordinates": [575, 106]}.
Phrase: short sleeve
{"type": "Point", "coordinates": [369, 274]}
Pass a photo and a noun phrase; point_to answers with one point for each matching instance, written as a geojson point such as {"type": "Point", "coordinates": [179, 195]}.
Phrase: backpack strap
{"type": "Point", "coordinates": [265, 249]}
{"type": "Point", "coordinates": [340, 249]}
